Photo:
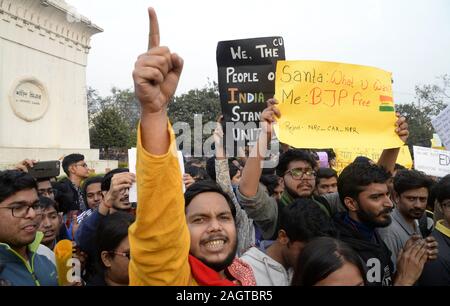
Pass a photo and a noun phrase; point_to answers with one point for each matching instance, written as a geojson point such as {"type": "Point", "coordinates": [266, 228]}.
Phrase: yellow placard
{"type": "Point", "coordinates": [335, 105]}
{"type": "Point", "coordinates": [344, 157]}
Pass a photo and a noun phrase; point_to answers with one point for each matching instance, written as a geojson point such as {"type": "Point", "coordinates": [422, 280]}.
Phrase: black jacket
{"type": "Point", "coordinates": [375, 254]}
{"type": "Point", "coordinates": [437, 272]}
{"type": "Point", "coordinates": [67, 196]}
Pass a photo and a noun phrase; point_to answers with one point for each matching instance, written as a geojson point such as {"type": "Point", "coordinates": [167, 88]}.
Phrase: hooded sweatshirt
{"type": "Point", "coordinates": [267, 271]}
{"type": "Point", "coordinates": [370, 248]}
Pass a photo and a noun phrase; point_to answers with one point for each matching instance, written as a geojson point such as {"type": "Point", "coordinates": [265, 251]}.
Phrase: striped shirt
{"type": "Point", "coordinates": [84, 215]}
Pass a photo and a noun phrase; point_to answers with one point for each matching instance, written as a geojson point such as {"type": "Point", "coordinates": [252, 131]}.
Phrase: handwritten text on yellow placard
{"type": "Point", "coordinates": [335, 105]}
{"type": "Point", "coordinates": [344, 157]}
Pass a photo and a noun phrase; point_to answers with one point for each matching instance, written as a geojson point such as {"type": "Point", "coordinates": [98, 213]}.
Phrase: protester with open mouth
{"type": "Point", "coordinates": [175, 241]}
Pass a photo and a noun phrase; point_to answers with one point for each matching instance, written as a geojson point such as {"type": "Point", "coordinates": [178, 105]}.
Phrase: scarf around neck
{"type": "Point", "coordinates": [205, 276]}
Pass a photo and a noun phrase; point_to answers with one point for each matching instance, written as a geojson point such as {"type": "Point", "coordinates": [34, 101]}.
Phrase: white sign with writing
{"type": "Point", "coordinates": [431, 161]}
{"type": "Point", "coordinates": [29, 99]}
{"type": "Point", "coordinates": [441, 125]}
{"type": "Point", "coordinates": [181, 163]}
{"type": "Point", "coordinates": [132, 168]}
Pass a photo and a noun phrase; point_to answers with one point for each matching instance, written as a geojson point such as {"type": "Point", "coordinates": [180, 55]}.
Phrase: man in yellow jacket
{"type": "Point", "coordinates": [172, 244]}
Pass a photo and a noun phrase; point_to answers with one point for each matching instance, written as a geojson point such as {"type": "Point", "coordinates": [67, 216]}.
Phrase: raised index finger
{"type": "Point", "coordinates": [153, 38]}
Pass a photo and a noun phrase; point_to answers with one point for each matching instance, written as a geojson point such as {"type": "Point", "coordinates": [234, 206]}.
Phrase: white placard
{"type": "Point", "coordinates": [132, 167]}
{"type": "Point", "coordinates": [441, 124]}
{"type": "Point", "coordinates": [181, 163]}
{"type": "Point", "coordinates": [431, 161]}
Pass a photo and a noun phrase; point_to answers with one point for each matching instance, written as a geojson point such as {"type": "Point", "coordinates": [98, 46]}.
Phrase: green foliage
{"type": "Point", "coordinates": [94, 102]}
{"type": "Point", "coordinates": [115, 118]}
{"type": "Point", "coordinates": [109, 130]}
{"type": "Point", "coordinates": [127, 105]}
{"type": "Point", "coordinates": [186, 107]}
{"type": "Point", "coordinates": [203, 102]}
{"type": "Point", "coordinates": [121, 107]}
{"type": "Point", "coordinates": [420, 128]}
{"type": "Point", "coordinates": [430, 101]}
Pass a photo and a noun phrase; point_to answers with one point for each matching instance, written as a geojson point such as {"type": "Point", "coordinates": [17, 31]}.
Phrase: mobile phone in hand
{"type": "Point", "coordinates": [45, 169]}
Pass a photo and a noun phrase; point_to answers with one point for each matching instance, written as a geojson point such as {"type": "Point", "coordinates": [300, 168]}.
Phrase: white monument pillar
{"type": "Point", "coordinates": [43, 57]}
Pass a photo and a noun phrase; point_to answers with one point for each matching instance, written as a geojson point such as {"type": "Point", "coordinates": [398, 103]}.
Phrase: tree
{"type": "Point", "coordinates": [126, 104]}
{"type": "Point", "coordinates": [109, 130]}
{"type": "Point", "coordinates": [203, 102]}
{"type": "Point", "coordinates": [123, 112]}
{"type": "Point", "coordinates": [93, 103]}
{"type": "Point", "coordinates": [186, 107]}
{"type": "Point", "coordinates": [430, 101]}
{"type": "Point", "coordinates": [434, 95]}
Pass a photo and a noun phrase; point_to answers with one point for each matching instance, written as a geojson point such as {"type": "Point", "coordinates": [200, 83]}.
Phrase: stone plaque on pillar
{"type": "Point", "coordinates": [29, 99]}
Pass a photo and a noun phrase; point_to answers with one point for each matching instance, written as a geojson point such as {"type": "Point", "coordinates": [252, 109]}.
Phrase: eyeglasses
{"type": "Point", "coordinates": [298, 173]}
{"type": "Point", "coordinates": [23, 210]}
{"type": "Point", "coordinates": [124, 254]}
{"type": "Point", "coordinates": [84, 165]}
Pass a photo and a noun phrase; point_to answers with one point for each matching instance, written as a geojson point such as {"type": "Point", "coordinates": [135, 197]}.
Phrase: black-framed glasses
{"type": "Point", "coordinates": [21, 211]}
{"type": "Point", "coordinates": [298, 173]}
{"type": "Point", "coordinates": [84, 165]}
{"type": "Point", "coordinates": [124, 254]}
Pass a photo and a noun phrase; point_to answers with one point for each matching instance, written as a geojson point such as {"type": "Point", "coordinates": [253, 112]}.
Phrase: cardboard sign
{"type": "Point", "coordinates": [431, 161]}
{"type": "Point", "coordinates": [246, 81]}
{"type": "Point", "coordinates": [335, 105]}
{"type": "Point", "coordinates": [441, 125]}
{"type": "Point", "coordinates": [344, 157]}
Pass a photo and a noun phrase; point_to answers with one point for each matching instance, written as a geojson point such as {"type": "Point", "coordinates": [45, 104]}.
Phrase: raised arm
{"type": "Point", "coordinates": [221, 162]}
{"type": "Point", "coordinates": [159, 238]}
{"type": "Point", "coordinates": [244, 225]}
{"type": "Point", "coordinates": [248, 186]}
{"type": "Point", "coordinates": [156, 77]}
{"type": "Point", "coordinates": [251, 194]}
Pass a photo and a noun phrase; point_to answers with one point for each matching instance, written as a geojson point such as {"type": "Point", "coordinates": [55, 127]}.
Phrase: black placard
{"type": "Point", "coordinates": [246, 81]}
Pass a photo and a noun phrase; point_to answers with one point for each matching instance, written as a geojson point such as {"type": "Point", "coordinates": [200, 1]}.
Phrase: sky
{"type": "Point", "coordinates": [410, 38]}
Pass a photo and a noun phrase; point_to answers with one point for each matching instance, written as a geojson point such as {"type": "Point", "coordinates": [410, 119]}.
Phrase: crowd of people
{"type": "Point", "coordinates": [236, 223]}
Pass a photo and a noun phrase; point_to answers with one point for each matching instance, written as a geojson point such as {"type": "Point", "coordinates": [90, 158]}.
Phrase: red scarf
{"type": "Point", "coordinates": [205, 276]}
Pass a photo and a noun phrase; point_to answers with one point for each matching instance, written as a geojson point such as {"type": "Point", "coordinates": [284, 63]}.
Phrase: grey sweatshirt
{"type": "Point", "coordinates": [267, 271]}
